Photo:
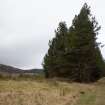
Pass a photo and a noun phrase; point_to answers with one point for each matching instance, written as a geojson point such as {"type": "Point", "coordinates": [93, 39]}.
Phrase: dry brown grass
{"type": "Point", "coordinates": [47, 92]}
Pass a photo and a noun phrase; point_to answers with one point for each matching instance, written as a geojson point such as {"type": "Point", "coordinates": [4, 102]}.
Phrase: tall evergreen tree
{"type": "Point", "coordinates": [74, 53]}
{"type": "Point", "coordinates": [54, 59]}
{"type": "Point", "coordinates": [84, 48]}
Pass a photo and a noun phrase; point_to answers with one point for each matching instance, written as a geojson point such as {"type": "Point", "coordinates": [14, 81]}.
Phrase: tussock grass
{"type": "Point", "coordinates": [50, 92]}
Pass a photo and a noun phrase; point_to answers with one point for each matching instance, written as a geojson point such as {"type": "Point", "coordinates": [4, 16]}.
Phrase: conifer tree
{"type": "Point", "coordinates": [84, 48]}
{"type": "Point", "coordinates": [54, 59]}
{"type": "Point", "coordinates": [74, 53]}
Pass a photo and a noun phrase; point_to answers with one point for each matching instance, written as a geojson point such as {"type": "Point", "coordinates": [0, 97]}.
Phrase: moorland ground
{"type": "Point", "coordinates": [51, 92]}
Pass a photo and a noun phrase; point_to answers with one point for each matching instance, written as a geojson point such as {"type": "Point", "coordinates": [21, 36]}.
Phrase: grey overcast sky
{"type": "Point", "coordinates": [26, 26]}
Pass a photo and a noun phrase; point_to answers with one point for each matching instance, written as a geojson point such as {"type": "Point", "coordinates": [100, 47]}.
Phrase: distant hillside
{"type": "Point", "coordinates": [13, 70]}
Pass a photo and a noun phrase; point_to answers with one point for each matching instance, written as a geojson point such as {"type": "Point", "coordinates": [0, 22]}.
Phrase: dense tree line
{"type": "Point", "coordinates": [74, 52]}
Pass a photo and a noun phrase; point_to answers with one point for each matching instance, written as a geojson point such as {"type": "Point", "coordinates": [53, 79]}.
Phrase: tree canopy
{"type": "Point", "coordinates": [74, 52]}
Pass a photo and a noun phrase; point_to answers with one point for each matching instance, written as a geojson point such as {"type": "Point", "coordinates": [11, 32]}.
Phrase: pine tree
{"type": "Point", "coordinates": [84, 48]}
{"type": "Point", "coordinates": [54, 59]}
{"type": "Point", "coordinates": [74, 53]}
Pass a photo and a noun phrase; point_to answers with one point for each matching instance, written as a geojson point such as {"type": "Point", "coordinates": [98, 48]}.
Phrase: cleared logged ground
{"type": "Point", "coordinates": [51, 92]}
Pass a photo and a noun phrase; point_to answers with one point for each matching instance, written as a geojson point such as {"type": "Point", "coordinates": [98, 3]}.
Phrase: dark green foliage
{"type": "Point", "coordinates": [54, 59]}
{"type": "Point", "coordinates": [74, 52]}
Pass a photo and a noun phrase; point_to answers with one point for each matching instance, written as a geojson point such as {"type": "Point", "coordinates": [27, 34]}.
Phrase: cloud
{"type": "Point", "coordinates": [26, 26]}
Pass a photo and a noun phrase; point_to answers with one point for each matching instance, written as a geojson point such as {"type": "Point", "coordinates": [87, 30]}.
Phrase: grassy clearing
{"type": "Point", "coordinates": [50, 92]}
